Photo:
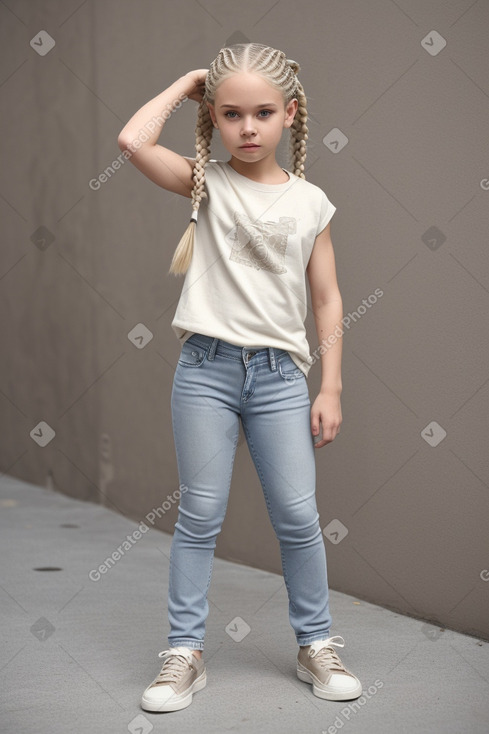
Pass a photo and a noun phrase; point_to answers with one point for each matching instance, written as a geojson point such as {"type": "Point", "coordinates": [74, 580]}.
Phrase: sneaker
{"type": "Point", "coordinates": [182, 674]}
{"type": "Point", "coordinates": [320, 665]}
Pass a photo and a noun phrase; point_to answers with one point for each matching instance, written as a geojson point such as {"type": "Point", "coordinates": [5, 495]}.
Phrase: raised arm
{"type": "Point", "coordinates": [139, 136]}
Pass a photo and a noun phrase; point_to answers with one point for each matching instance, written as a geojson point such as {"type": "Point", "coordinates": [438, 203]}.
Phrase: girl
{"type": "Point", "coordinates": [244, 354]}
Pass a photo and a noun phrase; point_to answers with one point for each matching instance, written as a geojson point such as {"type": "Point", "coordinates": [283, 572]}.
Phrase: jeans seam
{"type": "Point", "coordinates": [267, 500]}
{"type": "Point", "coordinates": [225, 508]}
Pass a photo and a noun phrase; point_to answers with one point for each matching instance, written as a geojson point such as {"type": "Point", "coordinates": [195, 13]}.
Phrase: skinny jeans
{"type": "Point", "coordinates": [216, 384]}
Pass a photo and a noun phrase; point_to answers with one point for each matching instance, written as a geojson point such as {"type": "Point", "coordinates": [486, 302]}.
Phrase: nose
{"type": "Point", "coordinates": [248, 126]}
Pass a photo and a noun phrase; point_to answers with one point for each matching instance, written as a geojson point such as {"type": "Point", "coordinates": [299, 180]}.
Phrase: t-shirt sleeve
{"type": "Point", "coordinates": [327, 211]}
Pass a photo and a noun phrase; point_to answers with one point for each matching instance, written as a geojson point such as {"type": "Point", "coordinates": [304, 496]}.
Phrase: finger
{"type": "Point", "coordinates": [327, 434]}
{"type": "Point", "coordinates": [316, 429]}
{"type": "Point", "coordinates": [318, 434]}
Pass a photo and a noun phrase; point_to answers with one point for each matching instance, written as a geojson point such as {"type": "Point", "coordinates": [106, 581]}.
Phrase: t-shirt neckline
{"type": "Point", "coordinates": [257, 184]}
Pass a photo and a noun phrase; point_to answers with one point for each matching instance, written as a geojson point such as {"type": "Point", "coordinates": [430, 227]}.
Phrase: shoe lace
{"type": "Point", "coordinates": [326, 655]}
{"type": "Point", "coordinates": [177, 661]}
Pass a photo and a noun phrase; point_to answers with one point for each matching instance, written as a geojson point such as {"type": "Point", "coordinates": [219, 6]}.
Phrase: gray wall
{"type": "Point", "coordinates": [411, 190]}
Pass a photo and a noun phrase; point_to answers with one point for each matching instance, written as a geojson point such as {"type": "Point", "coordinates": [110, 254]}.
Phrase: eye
{"type": "Point", "coordinates": [268, 112]}
{"type": "Point", "coordinates": [231, 112]}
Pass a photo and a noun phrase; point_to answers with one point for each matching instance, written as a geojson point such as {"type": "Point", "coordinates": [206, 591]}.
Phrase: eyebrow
{"type": "Point", "coordinates": [237, 107]}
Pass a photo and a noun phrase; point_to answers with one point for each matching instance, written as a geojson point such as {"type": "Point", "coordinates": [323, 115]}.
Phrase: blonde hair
{"type": "Point", "coordinates": [280, 73]}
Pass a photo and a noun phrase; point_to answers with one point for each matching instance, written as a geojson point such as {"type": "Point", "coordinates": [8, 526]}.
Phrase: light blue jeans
{"type": "Point", "coordinates": [216, 383]}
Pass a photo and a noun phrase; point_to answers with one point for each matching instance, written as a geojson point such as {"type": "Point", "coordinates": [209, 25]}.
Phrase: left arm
{"type": "Point", "coordinates": [327, 307]}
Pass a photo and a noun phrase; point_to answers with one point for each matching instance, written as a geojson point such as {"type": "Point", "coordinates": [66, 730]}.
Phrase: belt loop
{"type": "Point", "coordinates": [271, 357]}
{"type": "Point", "coordinates": [212, 350]}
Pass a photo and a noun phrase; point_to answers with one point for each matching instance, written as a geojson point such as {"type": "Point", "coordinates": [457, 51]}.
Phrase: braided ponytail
{"type": "Point", "coordinates": [299, 133]}
{"type": "Point", "coordinates": [280, 73]}
{"type": "Point", "coordinates": [203, 135]}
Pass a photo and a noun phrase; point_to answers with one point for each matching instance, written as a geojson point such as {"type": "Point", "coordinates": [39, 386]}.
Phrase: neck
{"type": "Point", "coordinates": [265, 171]}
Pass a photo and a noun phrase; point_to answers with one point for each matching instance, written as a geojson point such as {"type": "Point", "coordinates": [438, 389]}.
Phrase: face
{"type": "Point", "coordinates": [248, 110]}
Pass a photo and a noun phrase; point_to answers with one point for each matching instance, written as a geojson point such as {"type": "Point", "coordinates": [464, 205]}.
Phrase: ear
{"type": "Point", "coordinates": [290, 112]}
{"type": "Point", "coordinates": [212, 113]}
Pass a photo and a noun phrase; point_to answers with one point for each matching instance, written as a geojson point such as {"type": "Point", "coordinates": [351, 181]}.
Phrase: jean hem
{"type": "Point", "coordinates": [309, 639]}
{"type": "Point", "coordinates": [192, 644]}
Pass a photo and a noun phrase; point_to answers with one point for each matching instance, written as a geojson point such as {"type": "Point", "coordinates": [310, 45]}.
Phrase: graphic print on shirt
{"type": "Point", "coordinates": [261, 245]}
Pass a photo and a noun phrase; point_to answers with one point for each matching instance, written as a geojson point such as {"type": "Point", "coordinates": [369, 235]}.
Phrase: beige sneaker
{"type": "Point", "coordinates": [320, 665]}
{"type": "Point", "coordinates": [182, 674]}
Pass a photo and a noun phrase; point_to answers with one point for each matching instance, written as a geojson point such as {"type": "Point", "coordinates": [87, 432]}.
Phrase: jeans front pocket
{"type": "Point", "coordinates": [191, 355]}
{"type": "Point", "coordinates": [288, 369]}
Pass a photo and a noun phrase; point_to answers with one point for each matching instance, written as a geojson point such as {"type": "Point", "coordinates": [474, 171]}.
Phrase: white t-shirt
{"type": "Point", "coordinates": [246, 280]}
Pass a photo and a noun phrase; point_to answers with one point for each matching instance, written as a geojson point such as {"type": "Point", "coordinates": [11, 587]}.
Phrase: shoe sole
{"type": "Point", "coordinates": [178, 702]}
{"type": "Point", "coordinates": [330, 695]}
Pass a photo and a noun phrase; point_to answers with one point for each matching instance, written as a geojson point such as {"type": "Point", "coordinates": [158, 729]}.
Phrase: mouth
{"type": "Point", "coordinates": [249, 146]}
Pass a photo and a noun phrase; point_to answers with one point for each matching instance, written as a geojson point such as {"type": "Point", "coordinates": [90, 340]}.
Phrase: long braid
{"type": "Point", "coordinates": [278, 71]}
{"type": "Point", "coordinates": [203, 136]}
{"type": "Point", "coordinates": [299, 133]}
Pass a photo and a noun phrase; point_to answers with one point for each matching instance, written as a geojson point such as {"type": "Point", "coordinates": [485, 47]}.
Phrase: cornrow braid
{"type": "Point", "coordinates": [203, 135]}
{"type": "Point", "coordinates": [299, 133]}
{"type": "Point", "coordinates": [280, 73]}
